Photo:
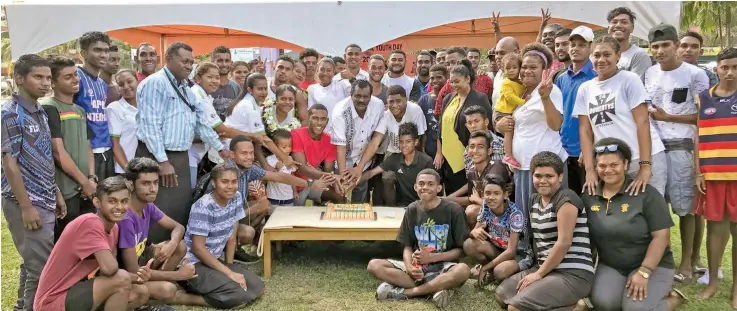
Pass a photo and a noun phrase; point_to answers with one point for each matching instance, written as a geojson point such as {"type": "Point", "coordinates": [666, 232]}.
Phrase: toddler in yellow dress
{"type": "Point", "coordinates": [510, 98]}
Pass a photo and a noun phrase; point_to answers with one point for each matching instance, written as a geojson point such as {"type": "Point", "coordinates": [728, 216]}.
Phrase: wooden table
{"type": "Point", "coordinates": [303, 223]}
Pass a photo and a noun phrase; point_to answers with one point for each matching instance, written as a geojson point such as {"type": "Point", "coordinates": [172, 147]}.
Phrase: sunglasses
{"type": "Point", "coordinates": [606, 148]}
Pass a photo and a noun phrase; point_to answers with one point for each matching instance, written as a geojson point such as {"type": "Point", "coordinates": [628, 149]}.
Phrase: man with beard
{"type": "Point", "coordinates": [352, 71]}
{"type": "Point", "coordinates": [95, 48]}
{"type": "Point", "coordinates": [690, 50]}
{"type": "Point", "coordinates": [580, 71]}
{"type": "Point", "coordinates": [621, 25]}
{"type": "Point", "coordinates": [356, 124]}
{"type": "Point", "coordinates": [561, 51]}
{"type": "Point", "coordinates": [311, 148]}
{"type": "Point", "coordinates": [106, 74]}
{"type": "Point", "coordinates": [166, 127]}
{"type": "Point", "coordinates": [396, 76]}
{"type": "Point", "coordinates": [283, 71]}
{"type": "Point", "coordinates": [227, 92]}
{"type": "Point", "coordinates": [147, 60]}
{"type": "Point", "coordinates": [70, 143]}
{"type": "Point", "coordinates": [309, 57]}
{"type": "Point", "coordinates": [483, 83]}
{"type": "Point", "coordinates": [424, 62]}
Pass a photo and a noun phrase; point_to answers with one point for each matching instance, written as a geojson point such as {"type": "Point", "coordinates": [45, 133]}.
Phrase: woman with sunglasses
{"type": "Point", "coordinates": [614, 105]}
{"type": "Point", "coordinates": [631, 233]}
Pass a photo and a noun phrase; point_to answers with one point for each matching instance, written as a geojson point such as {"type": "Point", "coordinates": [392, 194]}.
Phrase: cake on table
{"type": "Point", "coordinates": [348, 212]}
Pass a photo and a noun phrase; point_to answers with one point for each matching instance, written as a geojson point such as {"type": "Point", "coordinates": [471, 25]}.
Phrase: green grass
{"type": "Point", "coordinates": [322, 276]}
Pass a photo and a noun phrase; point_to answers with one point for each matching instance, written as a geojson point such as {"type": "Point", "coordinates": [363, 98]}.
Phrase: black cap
{"type": "Point", "coordinates": [663, 32]}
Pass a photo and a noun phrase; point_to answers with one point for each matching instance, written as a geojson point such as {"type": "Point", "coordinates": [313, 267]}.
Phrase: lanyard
{"type": "Point", "coordinates": [176, 89]}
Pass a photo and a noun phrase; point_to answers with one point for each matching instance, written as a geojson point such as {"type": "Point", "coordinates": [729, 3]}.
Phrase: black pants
{"type": "Point", "coordinates": [576, 175]}
{"type": "Point", "coordinates": [375, 184]}
{"type": "Point", "coordinates": [104, 165]}
{"type": "Point", "coordinates": [452, 181]}
{"type": "Point", "coordinates": [175, 202]}
{"type": "Point", "coordinates": [76, 206]}
{"type": "Point", "coordinates": [220, 291]}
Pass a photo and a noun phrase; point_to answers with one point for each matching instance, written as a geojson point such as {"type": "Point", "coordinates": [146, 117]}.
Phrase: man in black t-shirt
{"type": "Point", "coordinates": [399, 170]}
{"type": "Point", "coordinates": [432, 232]}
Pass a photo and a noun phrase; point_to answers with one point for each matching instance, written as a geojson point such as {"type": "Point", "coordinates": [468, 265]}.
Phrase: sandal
{"type": "Point", "coordinates": [680, 294]}
{"type": "Point", "coordinates": [683, 279]}
{"type": "Point", "coordinates": [701, 270]}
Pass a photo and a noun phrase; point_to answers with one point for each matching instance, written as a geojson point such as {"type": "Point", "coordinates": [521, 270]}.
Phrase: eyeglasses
{"type": "Point", "coordinates": [607, 148]}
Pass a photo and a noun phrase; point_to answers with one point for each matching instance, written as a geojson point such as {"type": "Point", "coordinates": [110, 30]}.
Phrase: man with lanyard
{"type": "Point", "coordinates": [424, 62]}
{"type": "Point", "coordinates": [580, 71]}
{"type": "Point", "coordinates": [672, 87]}
{"type": "Point", "coordinates": [309, 57]}
{"type": "Point", "coordinates": [168, 118]}
{"type": "Point", "coordinates": [621, 25]}
{"type": "Point", "coordinates": [228, 90]}
{"type": "Point", "coordinates": [29, 192]}
{"type": "Point", "coordinates": [396, 76]}
{"type": "Point", "coordinates": [92, 95]}
{"type": "Point", "coordinates": [106, 74]}
{"type": "Point", "coordinates": [690, 50]}
{"type": "Point", "coordinates": [147, 60]}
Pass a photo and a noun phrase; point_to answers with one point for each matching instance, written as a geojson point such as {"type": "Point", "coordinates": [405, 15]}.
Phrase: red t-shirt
{"type": "Point", "coordinates": [305, 84]}
{"type": "Point", "coordinates": [72, 260]}
{"type": "Point", "coordinates": [483, 84]}
{"type": "Point", "coordinates": [316, 152]}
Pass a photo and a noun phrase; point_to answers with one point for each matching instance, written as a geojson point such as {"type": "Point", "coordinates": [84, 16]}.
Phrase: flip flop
{"type": "Point", "coordinates": [697, 269]}
{"type": "Point", "coordinates": [680, 294]}
{"type": "Point", "coordinates": [683, 279]}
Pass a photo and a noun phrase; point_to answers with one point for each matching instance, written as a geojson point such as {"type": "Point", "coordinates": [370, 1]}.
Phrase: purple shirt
{"type": "Point", "coordinates": [134, 229]}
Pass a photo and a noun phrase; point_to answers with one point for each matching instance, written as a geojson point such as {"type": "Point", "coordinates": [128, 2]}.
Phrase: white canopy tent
{"type": "Point", "coordinates": [327, 26]}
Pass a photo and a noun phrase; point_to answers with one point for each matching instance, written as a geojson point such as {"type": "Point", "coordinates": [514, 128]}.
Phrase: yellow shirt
{"type": "Point", "coordinates": [510, 96]}
{"type": "Point", "coordinates": [451, 144]}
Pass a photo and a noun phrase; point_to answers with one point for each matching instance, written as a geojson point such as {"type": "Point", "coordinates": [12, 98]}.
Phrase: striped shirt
{"type": "Point", "coordinates": [27, 138]}
{"type": "Point", "coordinates": [165, 121]}
{"type": "Point", "coordinates": [92, 96]}
{"type": "Point", "coordinates": [214, 222]}
{"type": "Point", "coordinates": [544, 223]}
{"type": "Point", "coordinates": [717, 136]}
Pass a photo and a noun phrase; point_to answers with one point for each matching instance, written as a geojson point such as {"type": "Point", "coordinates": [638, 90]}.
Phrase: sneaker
{"type": "Point", "coordinates": [704, 279]}
{"type": "Point", "coordinates": [386, 291]}
{"type": "Point", "coordinates": [511, 162]}
{"type": "Point", "coordinates": [155, 308]}
{"type": "Point", "coordinates": [442, 298]}
{"type": "Point", "coordinates": [241, 256]}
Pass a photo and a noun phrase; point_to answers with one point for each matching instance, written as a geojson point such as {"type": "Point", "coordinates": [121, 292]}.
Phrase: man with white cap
{"type": "Point", "coordinates": [580, 71]}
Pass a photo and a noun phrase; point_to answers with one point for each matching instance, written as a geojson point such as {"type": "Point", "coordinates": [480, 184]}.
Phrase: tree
{"type": "Point", "coordinates": [712, 18]}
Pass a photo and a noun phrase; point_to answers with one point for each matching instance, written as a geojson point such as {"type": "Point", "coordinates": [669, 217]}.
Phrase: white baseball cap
{"type": "Point", "coordinates": [585, 32]}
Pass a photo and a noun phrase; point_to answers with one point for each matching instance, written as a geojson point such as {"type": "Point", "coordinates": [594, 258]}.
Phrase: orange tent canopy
{"type": "Point", "coordinates": [470, 33]}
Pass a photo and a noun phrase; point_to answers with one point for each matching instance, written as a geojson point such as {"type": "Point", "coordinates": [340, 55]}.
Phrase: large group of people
{"type": "Point", "coordinates": [552, 173]}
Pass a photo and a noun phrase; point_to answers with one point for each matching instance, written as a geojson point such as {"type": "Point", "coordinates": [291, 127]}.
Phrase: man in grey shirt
{"type": "Point", "coordinates": [621, 25]}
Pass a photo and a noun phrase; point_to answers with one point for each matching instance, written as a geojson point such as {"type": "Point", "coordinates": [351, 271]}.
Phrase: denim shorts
{"type": "Point", "coordinates": [679, 190]}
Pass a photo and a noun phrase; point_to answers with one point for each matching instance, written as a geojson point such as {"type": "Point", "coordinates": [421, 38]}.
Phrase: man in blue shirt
{"type": "Point", "coordinates": [92, 96]}
{"type": "Point", "coordinates": [169, 117]}
{"type": "Point", "coordinates": [580, 71]}
{"type": "Point", "coordinates": [31, 202]}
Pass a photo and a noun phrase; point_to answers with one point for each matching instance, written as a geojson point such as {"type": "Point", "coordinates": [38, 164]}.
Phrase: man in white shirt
{"type": "Point", "coordinates": [672, 87]}
{"type": "Point", "coordinates": [396, 76]}
{"type": "Point", "coordinates": [353, 70]}
{"type": "Point", "coordinates": [400, 112]}
{"type": "Point", "coordinates": [357, 122]}
{"type": "Point", "coordinates": [621, 25]}
{"type": "Point", "coordinates": [505, 46]}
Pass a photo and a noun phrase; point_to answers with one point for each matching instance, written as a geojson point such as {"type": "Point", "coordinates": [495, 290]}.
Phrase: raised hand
{"type": "Point", "coordinates": [546, 15]}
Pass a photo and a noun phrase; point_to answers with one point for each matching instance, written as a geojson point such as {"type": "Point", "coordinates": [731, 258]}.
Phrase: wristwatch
{"type": "Point", "coordinates": [93, 177]}
{"type": "Point", "coordinates": [643, 274]}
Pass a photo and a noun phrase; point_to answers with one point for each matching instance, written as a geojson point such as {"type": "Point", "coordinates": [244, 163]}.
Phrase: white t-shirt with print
{"type": "Point", "coordinates": [675, 91]}
{"type": "Point", "coordinates": [198, 150]}
{"type": "Point", "coordinates": [327, 96]}
{"type": "Point", "coordinates": [404, 81]}
{"type": "Point", "coordinates": [345, 84]}
{"type": "Point", "coordinates": [246, 117]}
{"type": "Point", "coordinates": [121, 121]}
{"type": "Point", "coordinates": [531, 131]}
{"type": "Point", "coordinates": [354, 132]}
{"type": "Point", "coordinates": [413, 114]}
{"type": "Point", "coordinates": [275, 190]}
{"type": "Point", "coordinates": [608, 105]}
